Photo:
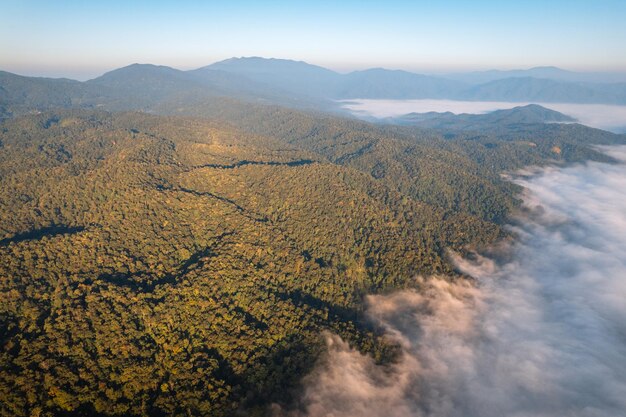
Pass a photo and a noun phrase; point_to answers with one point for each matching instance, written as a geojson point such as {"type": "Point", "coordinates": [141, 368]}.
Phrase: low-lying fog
{"type": "Point", "coordinates": [603, 116]}
{"type": "Point", "coordinates": [541, 332]}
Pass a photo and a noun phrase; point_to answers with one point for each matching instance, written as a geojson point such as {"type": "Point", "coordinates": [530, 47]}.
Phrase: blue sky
{"type": "Point", "coordinates": [81, 39]}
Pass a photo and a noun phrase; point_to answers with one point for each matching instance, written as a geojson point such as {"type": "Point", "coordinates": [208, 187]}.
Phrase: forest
{"type": "Point", "coordinates": [186, 259]}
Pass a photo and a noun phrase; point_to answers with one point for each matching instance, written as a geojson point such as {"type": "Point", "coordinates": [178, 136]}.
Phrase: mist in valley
{"type": "Point", "coordinates": [602, 116]}
{"type": "Point", "coordinates": [540, 331]}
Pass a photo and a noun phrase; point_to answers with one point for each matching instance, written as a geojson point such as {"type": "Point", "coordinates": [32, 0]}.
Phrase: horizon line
{"type": "Point", "coordinates": [41, 73]}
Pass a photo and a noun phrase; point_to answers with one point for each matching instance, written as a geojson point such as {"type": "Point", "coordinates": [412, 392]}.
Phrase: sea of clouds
{"type": "Point", "coordinates": [541, 331]}
{"type": "Point", "coordinates": [602, 116]}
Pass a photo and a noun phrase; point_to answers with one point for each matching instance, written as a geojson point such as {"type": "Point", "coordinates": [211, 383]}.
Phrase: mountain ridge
{"type": "Point", "coordinates": [294, 84]}
{"type": "Point", "coordinates": [521, 115]}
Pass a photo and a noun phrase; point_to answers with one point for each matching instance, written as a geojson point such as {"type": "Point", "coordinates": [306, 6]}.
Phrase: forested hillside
{"type": "Point", "coordinates": [185, 258]}
{"type": "Point", "coordinates": [456, 170]}
{"type": "Point", "coordinates": [166, 265]}
{"type": "Point", "coordinates": [529, 114]}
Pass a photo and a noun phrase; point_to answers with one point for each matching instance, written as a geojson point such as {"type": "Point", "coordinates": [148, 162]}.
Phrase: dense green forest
{"type": "Point", "coordinates": [186, 262]}
{"type": "Point", "coordinates": [164, 265]}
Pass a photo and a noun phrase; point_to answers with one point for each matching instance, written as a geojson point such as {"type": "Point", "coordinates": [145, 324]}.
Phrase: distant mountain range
{"type": "Point", "coordinates": [550, 73]}
{"type": "Point", "coordinates": [292, 84]}
{"type": "Point", "coordinates": [547, 84]}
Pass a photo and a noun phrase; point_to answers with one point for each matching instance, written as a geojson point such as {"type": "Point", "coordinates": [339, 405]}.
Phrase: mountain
{"type": "Point", "coordinates": [381, 83]}
{"type": "Point", "coordinates": [611, 90]}
{"type": "Point", "coordinates": [311, 80]}
{"type": "Point", "coordinates": [530, 114]}
{"type": "Point", "coordinates": [141, 86]}
{"type": "Point", "coordinates": [549, 84]}
{"type": "Point", "coordinates": [137, 86]}
{"type": "Point", "coordinates": [552, 73]}
{"type": "Point", "coordinates": [154, 77]}
{"type": "Point", "coordinates": [287, 83]}
{"type": "Point", "coordinates": [151, 84]}
{"type": "Point", "coordinates": [20, 94]}
{"type": "Point", "coordinates": [295, 76]}
{"type": "Point", "coordinates": [542, 90]}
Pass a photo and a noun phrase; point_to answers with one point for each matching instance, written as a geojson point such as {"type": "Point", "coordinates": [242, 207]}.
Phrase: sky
{"type": "Point", "coordinates": [83, 39]}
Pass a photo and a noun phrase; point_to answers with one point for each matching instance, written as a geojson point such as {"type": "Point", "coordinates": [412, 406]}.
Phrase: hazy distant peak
{"type": "Point", "coordinates": [539, 113]}
{"type": "Point", "coordinates": [137, 66]}
{"type": "Point", "coordinates": [257, 64]}
{"type": "Point", "coordinates": [523, 78]}
{"type": "Point", "coordinates": [377, 69]}
{"type": "Point", "coordinates": [380, 70]}
{"type": "Point", "coordinates": [548, 72]}
{"type": "Point", "coordinates": [6, 75]}
{"type": "Point", "coordinates": [547, 68]}
{"type": "Point", "coordinates": [298, 77]}
{"type": "Point", "coordinates": [138, 69]}
{"type": "Point", "coordinates": [260, 59]}
{"type": "Point", "coordinates": [396, 74]}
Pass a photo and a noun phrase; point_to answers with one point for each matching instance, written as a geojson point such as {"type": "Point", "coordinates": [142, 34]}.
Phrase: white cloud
{"type": "Point", "coordinates": [541, 331]}
{"type": "Point", "coordinates": [602, 116]}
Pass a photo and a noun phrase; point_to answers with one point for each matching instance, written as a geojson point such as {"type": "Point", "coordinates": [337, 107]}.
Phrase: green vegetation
{"type": "Point", "coordinates": [162, 265]}
{"type": "Point", "coordinates": [448, 121]}
{"type": "Point", "coordinates": [187, 263]}
{"type": "Point", "coordinates": [456, 171]}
